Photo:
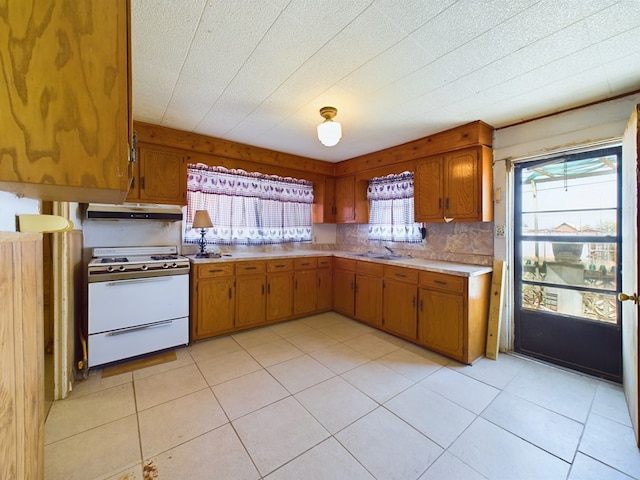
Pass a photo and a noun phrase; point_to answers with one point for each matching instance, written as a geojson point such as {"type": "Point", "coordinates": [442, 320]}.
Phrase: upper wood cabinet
{"type": "Point", "coordinates": [160, 176]}
{"type": "Point", "coordinates": [351, 200]}
{"type": "Point", "coordinates": [329, 201]}
{"type": "Point", "coordinates": [65, 103]}
{"type": "Point", "coordinates": [456, 185]}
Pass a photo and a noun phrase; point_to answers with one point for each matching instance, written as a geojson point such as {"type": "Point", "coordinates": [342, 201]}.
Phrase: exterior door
{"type": "Point", "coordinates": [567, 261]}
{"type": "Point", "coordinates": [630, 266]}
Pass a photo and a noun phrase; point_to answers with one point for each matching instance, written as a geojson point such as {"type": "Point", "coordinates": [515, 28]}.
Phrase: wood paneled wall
{"type": "Point", "coordinates": [21, 357]}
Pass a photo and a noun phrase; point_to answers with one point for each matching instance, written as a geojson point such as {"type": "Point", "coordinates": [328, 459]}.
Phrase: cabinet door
{"type": "Point", "coordinates": [428, 190]}
{"type": "Point", "coordinates": [304, 292]}
{"type": "Point", "coordinates": [279, 296]}
{"type": "Point", "coordinates": [329, 200]}
{"type": "Point", "coordinates": [250, 300]}
{"type": "Point", "coordinates": [163, 175]}
{"type": "Point", "coordinates": [462, 185]}
{"type": "Point", "coordinates": [65, 96]}
{"type": "Point", "coordinates": [399, 308]}
{"type": "Point", "coordinates": [215, 306]}
{"type": "Point", "coordinates": [323, 299]}
{"type": "Point", "coordinates": [343, 292]}
{"type": "Point", "coordinates": [441, 322]}
{"type": "Point", "coordinates": [368, 301]}
{"type": "Point", "coordinates": [345, 195]}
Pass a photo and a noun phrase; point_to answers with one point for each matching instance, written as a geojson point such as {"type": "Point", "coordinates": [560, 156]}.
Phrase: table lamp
{"type": "Point", "coordinates": [202, 220]}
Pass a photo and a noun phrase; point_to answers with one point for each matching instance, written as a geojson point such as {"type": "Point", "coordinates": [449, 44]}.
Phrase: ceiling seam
{"type": "Point", "coordinates": [297, 69]}
{"type": "Point", "coordinates": [184, 61]}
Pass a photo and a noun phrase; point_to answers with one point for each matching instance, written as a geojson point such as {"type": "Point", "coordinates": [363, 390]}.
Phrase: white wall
{"type": "Point", "coordinates": [601, 123]}
{"type": "Point", "coordinates": [10, 206]}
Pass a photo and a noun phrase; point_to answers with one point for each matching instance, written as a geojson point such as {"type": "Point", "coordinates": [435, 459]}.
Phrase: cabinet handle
{"type": "Point", "coordinates": [280, 265]}
{"type": "Point", "coordinates": [413, 302]}
{"type": "Point", "coordinates": [142, 183]}
{"type": "Point", "coordinates": [230, 293]}
{"type": "Point", "coordinates": [356, 288]}
{"type": "Point", "coordinates": [401, 275]}
{"type": "Point", "coordinates": [217, 270]}
{"type": "Point", "coordinates": [421, 305]}
{"type": "Point", "coordinates": [250, 268]}
{"type": "Point", "coordinates": [446, 204]}
{"type": "Point", "coordinates": [268, 289]}
{"type": "Point", "coordinates": [305, 264]}
{"type": "Point", "coordinates": [440, 282]}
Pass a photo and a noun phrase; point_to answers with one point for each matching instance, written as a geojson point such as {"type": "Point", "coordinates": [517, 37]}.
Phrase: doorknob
{"type": "Point", "coordinates": [624, 297]}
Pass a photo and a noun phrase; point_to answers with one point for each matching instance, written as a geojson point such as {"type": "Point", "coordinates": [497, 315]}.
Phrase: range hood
{"type": "Point", "coordinates": [134, 211]}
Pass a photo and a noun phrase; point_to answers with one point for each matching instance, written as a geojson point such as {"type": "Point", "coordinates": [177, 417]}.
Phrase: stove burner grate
{"type": "Point", "coordinates": [163, 257]}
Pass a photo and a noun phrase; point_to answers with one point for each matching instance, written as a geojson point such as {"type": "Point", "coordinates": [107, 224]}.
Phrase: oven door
{"type": "Point", "coordinates": [121, 304]}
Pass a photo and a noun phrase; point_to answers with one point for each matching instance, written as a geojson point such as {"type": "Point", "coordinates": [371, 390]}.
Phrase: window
{"type": "Point", "coordinates": [248, 208]}
{"type": "Point", "coordinates": [391, 209]}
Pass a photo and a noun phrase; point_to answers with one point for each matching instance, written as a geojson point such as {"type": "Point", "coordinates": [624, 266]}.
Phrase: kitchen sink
{"type": "Point", "coordinates": [382, 256]}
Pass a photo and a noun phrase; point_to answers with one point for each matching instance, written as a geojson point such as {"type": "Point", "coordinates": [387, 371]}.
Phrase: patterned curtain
{"type": "Point", "coordinates": [248, 208]}
{"type": "Point", "coordinates": [391, 209]}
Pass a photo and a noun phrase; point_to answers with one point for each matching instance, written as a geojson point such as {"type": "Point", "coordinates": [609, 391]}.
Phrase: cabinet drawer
{"type": "Point", "coordinates": [215, 270]}
{"type": "Point", "coordinates": [442, 281]}
{"type": "Point", "coordinates": [344, 264]}
{"type": "Point", "coordinates": [324, 262]}
{"type": "Point", "coordinates": [401, 274]}
{"type": "Point", "coordinates": [281, 265]}
{"type": "Point", "coordinates": [370, 268]}
{"type": "Point", "coordinates": [305, 263]}
{"type": "Point", "coordinates": [244, 268]}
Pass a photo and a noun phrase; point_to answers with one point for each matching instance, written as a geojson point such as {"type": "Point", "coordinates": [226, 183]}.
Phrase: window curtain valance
{"type": "Point", "coordinates": [391, 187]}
{"type": "Point", "coordinates": [248, 207]}
{"type": "Point", "coordinates": [391, 209]}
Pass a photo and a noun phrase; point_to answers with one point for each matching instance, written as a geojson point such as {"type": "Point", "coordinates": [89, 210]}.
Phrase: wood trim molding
{"type": "Point", "coordinates": [194, 142]}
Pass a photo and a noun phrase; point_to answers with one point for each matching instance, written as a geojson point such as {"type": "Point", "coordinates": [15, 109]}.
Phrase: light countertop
{"type": "Point", "coordinates": [439, 266]}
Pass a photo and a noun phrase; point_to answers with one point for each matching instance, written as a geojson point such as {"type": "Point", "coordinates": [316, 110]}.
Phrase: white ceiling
{"type": "Point", "coordinates": [258, 71]}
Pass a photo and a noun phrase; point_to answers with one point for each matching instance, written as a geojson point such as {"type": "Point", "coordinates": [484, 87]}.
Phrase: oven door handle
{"type": "Point", "coordinates": [163, 278]}
{"type": "Point", "coordinates": [164, 323]}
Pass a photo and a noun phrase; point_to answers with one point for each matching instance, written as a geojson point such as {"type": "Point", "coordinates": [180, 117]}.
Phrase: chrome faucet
{"type": "Point", "coordinates": [391, 251]}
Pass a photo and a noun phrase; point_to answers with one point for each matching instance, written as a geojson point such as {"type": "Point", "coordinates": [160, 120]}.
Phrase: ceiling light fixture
{"type": "Point", "coordinates": [329, 132]}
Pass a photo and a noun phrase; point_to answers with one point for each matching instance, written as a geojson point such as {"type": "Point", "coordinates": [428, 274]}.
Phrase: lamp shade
{"type": "Point", "coordinates": [201, 219]}
{"type": "Point", "coordinates": [329, 132]}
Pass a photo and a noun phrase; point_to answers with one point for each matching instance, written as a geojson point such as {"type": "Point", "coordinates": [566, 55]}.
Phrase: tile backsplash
{"type": "Point", "coordinates": [453, 242]}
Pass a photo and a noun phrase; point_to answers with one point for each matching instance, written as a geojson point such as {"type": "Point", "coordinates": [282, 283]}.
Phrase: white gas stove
{"type": "Point", "coordinates": [138, 302]}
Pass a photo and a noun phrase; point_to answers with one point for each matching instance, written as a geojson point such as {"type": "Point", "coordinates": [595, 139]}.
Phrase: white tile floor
{"type": "Point", "coordinates": [325, 397]}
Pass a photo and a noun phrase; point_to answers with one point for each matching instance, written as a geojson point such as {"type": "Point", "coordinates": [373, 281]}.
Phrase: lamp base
{"type": "Point", "coordinates": [202, 255]}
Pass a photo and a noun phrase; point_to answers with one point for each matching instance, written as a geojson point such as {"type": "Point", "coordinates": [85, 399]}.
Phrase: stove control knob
{"type": "Point", "coordinates": [110, 268]}
{"type": "Point", "coordinates": [174, 265]}
{"type": "Point", "coordinates": [165, 265]}
{"type": "Point", "coordinates": [121, 268]}
{"type": "Point", "coordinates": [144, 267]}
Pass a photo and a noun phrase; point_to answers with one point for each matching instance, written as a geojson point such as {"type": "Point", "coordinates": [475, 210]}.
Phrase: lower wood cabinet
{"type": "Point", "coordinates": [324, 279]}
{"type": "Point", "coordinates": [442, 312]}
{"type": "Point", "coordinates": [279, 289]}
{"type": "Point", "coordinates": [452, 314]}
{"type": "Point", "coordinates": [368, 293]}
{"type": "Point", "coordinates": [231, 296]}
{"type": "Point", "coordinates": [304, 285]}
{"type": "Point", "coordinates": [400, 291]}
{"type": "Point", "coordinates": [344, 278]}
{"type": "Point", "coordinates": [212, 300]}
{"type": "Point", "coordinates": [250, 294]}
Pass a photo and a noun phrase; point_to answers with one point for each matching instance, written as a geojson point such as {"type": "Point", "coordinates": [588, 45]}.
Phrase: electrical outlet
{"type": "Point", "coordinates": [499, 231]}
